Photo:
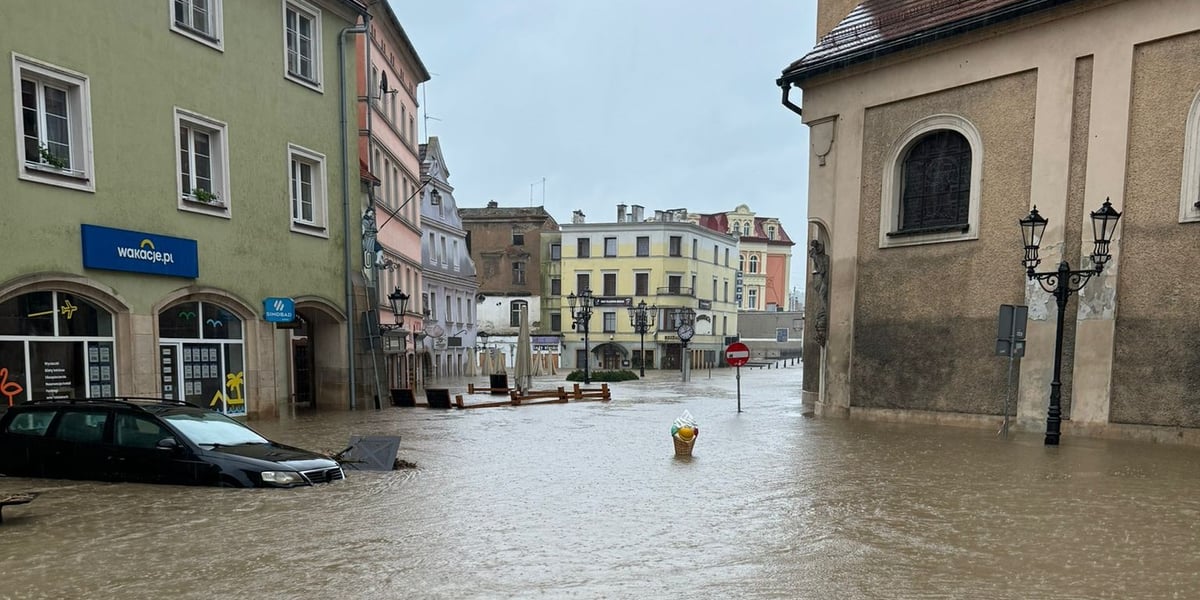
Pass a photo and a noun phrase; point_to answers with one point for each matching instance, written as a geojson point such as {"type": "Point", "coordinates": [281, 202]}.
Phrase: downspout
{"type": "Point", "coordinates": [787, 89]}
{"type": "Point", "coordinates": [350, 315]}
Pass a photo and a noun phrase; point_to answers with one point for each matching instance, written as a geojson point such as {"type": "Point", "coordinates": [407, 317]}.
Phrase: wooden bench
{"type": "Point", "coordinates": [601, 393]}
{"type": "Point", "coordinates": [15, 499]}
{"type": "Point", "coordinates": [555, 396]}
{"type": "Point", "coordinates": [471, 389]}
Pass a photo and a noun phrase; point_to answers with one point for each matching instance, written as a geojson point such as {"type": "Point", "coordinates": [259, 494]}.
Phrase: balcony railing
{"type": "Point", "coordinates": [676, 291]}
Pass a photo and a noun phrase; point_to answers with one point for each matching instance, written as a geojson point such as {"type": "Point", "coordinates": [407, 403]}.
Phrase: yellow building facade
{"type": "Point", "coordinates": [671, 265]}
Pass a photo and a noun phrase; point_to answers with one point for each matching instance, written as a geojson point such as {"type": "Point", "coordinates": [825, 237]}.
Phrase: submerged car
{"type": "Point", "coordinates": [150, 441]}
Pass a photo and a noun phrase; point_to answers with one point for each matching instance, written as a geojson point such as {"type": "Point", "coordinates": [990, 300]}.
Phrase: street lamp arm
{"type": "Point", "coordinates": [1072, 280]}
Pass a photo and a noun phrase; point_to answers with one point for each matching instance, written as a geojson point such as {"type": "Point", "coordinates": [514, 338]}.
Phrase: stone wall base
{"type": "Point", "coordinates": [1109, 431]}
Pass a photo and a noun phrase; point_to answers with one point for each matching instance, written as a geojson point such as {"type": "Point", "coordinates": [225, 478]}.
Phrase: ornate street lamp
{"type": "Point", "coordinates": [399, 302]}
{"type": "Point", "coordinates": [582, 317]}
{"type": "Point", "coordinates": [1062, 283]}
{"type": "Point", "coordinates": [642, 318]}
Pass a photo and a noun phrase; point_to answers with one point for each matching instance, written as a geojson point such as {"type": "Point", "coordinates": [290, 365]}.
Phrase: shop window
{"type": "Point", "coordinates": [201, 356]}
{"type": "Point", "coordinates": [55, 345]}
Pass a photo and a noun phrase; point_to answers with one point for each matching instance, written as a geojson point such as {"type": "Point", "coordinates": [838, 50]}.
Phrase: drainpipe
{"type": "Point", "coordinates": [787, 89]}
{"type": "Point", "coordinates": [350, 314]}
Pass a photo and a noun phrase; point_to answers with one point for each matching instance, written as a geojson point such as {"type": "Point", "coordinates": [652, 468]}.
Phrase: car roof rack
{"type": "Point", "coordinates": [137, 401]}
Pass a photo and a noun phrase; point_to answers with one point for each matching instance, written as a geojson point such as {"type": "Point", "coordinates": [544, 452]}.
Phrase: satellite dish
{"type": "Point", "coordinates": [480, 297]}
{"type": "Point", "coordinates": [383, 84]}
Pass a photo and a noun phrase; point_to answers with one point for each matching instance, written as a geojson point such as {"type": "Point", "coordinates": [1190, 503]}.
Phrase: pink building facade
{"type": "Point", "coordinates": [764, 257]}
{"type": "Point", "coordinates": [388, 145]}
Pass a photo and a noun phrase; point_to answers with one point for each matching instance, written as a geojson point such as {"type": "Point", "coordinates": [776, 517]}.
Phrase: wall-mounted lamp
{"type": "Point", "coordinates": [383, 86]}
{"type": "Point", "coordinates": [399, 302]}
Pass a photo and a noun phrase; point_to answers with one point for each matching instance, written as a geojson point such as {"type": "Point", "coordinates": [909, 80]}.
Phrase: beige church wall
{"type": "Point", "coordinates": [925, 318]}
{"type": "Point", "coordinates": [1156, 367]}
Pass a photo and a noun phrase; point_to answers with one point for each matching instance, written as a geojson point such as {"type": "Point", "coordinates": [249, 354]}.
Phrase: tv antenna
{"type": "Point", "coordinates": [543, 192]}
{"type": "Point", "coordinates": [425, 109]}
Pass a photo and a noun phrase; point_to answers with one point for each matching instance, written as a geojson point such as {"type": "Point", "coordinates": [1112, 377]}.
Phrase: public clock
{"type": "Point", "coordinates": [685, 332]}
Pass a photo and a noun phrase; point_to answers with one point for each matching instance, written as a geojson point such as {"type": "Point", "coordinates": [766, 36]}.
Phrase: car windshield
{"type": "Point", "coordinates": [213, 428]}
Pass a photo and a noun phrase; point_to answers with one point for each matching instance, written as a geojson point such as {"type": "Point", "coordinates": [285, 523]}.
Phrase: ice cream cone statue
{"type": "Point", "coordinates": [684, 433]}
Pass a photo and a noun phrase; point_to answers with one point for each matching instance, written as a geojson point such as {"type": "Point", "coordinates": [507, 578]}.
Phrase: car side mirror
{"type": "Point", "coordinates": [168, 443]}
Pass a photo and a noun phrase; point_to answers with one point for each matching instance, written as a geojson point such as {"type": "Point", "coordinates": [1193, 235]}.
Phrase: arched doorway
{"type": "Point", "coordinates": [202, 356]}
{"type": "Point", "coordinates": [610, 355]}
{"type": "Point", "coordinates": [55, 344]}
{"type": "Point", "coordinates": [318, 367]}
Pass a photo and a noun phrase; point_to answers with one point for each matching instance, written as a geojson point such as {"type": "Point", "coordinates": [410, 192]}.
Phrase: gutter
{"type": "Point", "coordinates": [350, 313]}
{"type": "Point", "coordinates": [787, 89]}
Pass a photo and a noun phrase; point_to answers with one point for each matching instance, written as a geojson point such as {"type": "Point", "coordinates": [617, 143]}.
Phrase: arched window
{"type": "Point", "coordinates": [746, 229]}
{"type": "Point", "coordinates": [936, 183]}
{"type": "Point", "coordinates": [771, 232]}
{"type": "Point", "coordinates": [753, 263]}
{"type": "Point", "coordinates": [55, 345]}
{"type": "Point", "coordinates": [514, 315]}
{"type": "Point", "coordinates": [201, 356]}
{"type": "Point", "coordinates": [931, 183]}
{"type": "Point", "coordinates": [1189, 195]}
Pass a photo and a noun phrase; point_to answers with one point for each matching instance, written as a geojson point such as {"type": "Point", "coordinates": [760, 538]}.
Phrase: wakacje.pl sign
{"type": "Point", "coordinates": [122, 250]}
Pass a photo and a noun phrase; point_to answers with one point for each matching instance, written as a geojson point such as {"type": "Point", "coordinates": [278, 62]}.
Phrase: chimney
{"type": "Point", "coordinates": [658, 216]}
{"type": "Point", "coordinates": [493, 204]}
{"type": "Point", "coordinates": [578, 217]}
{"type": "Point", "coordinates": [620, 213]}
{"type": "Point", "coordinates": [637, 213]}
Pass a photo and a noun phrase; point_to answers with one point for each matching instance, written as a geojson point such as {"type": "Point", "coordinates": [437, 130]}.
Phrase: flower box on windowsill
{"type": "Point", "coordinates": [214, 203]}
{"type": "Point", "coordinates": [53, 170]}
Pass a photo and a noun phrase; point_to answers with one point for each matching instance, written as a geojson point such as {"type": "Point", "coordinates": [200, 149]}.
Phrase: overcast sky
{"type": "Point", "coordinates": [663, 103]}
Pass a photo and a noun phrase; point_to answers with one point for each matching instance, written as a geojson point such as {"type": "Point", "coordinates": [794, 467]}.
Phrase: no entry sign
{"type": "Point", "coordinates": [737, 354]}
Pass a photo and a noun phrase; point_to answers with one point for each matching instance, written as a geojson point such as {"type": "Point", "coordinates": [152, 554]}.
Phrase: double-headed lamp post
{"type": "Point", "coordinates": [1062, 283]}
{"type": "Point", "coordinates": [581, 315]}
{"type": "Point", "coordinates": [642, 318]}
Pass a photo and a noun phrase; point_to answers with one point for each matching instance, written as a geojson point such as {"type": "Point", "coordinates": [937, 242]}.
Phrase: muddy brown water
{"type": "Point", "coordinates": [587, 501]}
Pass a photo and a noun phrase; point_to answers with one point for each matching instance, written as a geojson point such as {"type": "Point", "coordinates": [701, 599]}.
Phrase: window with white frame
{"type": "Point", "coordinates": [202, 163]}
{"type": "Point", "coordinates": [306, 175]}
{"type": "Point", "coordinates": [752, 298]}
{"type": "Point", "coordinates": [514, 313]}
{"type": "Point", "coordinates": [54, 124]}
{"type": "Point", "coordinates": [198, 19]}
{"type": "Point", "coordinates": [931, 184]}
{"type": "Point", "coordinates": [610, 322]}
{"type": "Point", "coordinates": [302, 42]}
{"type": "Point", "coordinates": [643, 245]}
{"type": "Point", "coordinates": [753, 263]}
{"type": "Point", "coordinates": [1189, 194]}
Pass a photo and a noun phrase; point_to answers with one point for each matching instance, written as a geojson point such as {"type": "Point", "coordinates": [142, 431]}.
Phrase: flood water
{"type": "Point", "coordinates": [587, 501]}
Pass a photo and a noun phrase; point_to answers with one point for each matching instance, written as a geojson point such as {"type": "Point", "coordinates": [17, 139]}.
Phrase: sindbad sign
{"type": "Point", "coordinates": [138, 252]}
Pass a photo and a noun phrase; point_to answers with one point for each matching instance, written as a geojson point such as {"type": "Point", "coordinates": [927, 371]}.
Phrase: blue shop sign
{"type": "Point", "coordinates": [123, 250]}
{"type": "Point", "coordinates": [279, 310]}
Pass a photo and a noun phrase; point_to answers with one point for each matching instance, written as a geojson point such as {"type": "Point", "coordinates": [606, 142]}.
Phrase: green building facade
{"type": "Point", "coordinates": [170, 166]}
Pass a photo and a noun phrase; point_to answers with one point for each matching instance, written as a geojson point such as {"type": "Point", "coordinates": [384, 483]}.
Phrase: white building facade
{"type": "Point", "coordinates": [450, 285]}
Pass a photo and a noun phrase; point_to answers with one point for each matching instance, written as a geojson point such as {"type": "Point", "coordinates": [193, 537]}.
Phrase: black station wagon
{"type": "Point", "coordinates": [149, 441]}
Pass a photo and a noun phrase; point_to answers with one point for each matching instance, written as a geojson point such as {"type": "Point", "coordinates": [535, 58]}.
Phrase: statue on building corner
{"type": "Point", "coordinates": [820, 287]}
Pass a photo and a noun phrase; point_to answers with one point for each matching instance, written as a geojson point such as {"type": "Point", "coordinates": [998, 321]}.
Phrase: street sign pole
{"type": "Point", "coordinates": [739, 387]}
{"type": "Point", "coordinates": [737, 354]}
